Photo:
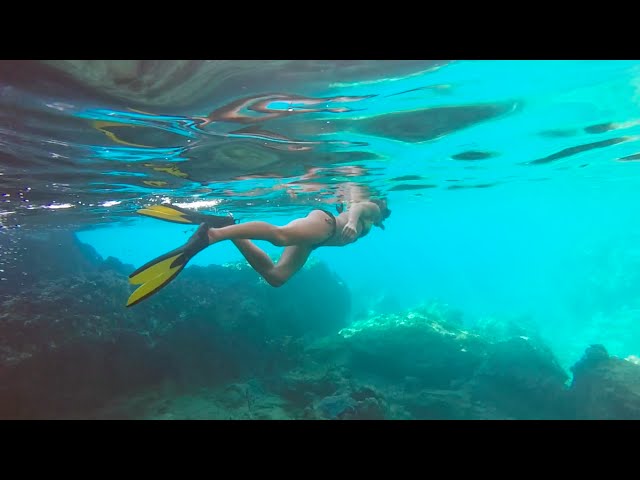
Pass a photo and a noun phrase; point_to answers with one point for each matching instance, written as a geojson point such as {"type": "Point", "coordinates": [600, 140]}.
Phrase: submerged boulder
{"type": "Point", "coordinates": [523, 379]}
{"type": "Point", "coordinates": [422, 344]}
{"type": "Point", "coordinates": [606, 387]}
{"type": "Point", "coordinates": [362, 403]}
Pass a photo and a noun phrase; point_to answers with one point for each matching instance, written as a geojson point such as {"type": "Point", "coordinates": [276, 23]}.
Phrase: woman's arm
{"type": "Point", "coordinates": [364, 211]}
{"type": "Point", "coordinates": [367, 210]}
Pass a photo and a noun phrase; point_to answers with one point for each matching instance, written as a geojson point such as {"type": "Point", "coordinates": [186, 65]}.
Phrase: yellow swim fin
{"type": "Point", "coordinates": [172, 213]}
{"type": "Point", "coordinates": [157, 273]}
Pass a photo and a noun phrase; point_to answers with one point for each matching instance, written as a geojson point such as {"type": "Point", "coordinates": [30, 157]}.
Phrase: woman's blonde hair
{"type": "Point", "coordinates": [381, 202]}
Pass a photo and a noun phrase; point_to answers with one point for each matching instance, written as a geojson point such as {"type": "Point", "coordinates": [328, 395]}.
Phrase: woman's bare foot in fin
{"type": "Point", "coordinates": [198, 241]}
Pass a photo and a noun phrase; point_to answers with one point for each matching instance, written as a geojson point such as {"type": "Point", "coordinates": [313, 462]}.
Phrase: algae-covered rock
{"type": "Point", "coordinates": [420, 344]}
{"type": "Point", "coordinates": [335, 406]}
{"type": "Point", "coordinates": [354, 403]}
{"type": "Point", "coordinates": [441, 371]}
{"type": "Point", "coordinates": [302, 385]}
{"type": "Point", "coordinates": [432, 404]}
{"type": "Point", "coordinates": [605, 387]}
{"type": "Point", "coordinates": [327, 391]}
{"type": "Point", "coordinates": [522, 379]}
{"type": "Point", "coordinates": [67, 340]}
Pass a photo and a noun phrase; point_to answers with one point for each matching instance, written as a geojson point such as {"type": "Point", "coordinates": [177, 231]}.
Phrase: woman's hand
{"type": "Point", "coordinates": [349, 232]}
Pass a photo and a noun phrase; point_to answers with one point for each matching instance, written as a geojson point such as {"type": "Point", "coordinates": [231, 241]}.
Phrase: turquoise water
{"type": "Point", "coordinates": [513, 184]}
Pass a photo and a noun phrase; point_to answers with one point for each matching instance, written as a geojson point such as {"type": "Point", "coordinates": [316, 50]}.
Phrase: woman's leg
{"type": "Point", "coordinates": [310, 230]}
{"type": "Point", "coordinates": [292, 259]}
{"type": "Point", "coordinates": [257, 258]}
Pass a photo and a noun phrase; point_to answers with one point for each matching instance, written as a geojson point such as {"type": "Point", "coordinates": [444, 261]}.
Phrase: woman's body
{"type": "Point", "coordinates": [300, 237]}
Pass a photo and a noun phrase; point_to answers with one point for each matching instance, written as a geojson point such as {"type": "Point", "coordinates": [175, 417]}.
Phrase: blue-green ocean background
{"type": "Point", "coordinates": [528, 209]}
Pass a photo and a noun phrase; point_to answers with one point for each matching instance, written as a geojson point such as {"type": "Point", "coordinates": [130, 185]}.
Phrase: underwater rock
{"type": "Point", "coordinates": [522, 379]}
{"type": "Point", "coordinates": [335, 407]}
{"type": "Point", "coordinates": [47, 255]}
{"type": "Point", "coordinates": [370, 404]}
{"type": "Point", "coordinates": [240, 394]}
{"type": "Point", "coordinates": [605, 387]}
{"type": "Point", "coordinates": [307, 382]}
{"type": "Point", "coordinates": [450, 404]}
{"type": "Point", "coordinates": [68, 342]}
{"type": "Point", "coordinates": [421, 344]}
{"type": "Point", "coordinates": [324, 391]}
{"type": "Point", "coordinates": [354, 403]}
{"type": "Point", "coordinates": [441, 371]}
{"type": "Point", "coordinates": [315, 302]}
{"type": "Point", "coordinates": [82, 375]}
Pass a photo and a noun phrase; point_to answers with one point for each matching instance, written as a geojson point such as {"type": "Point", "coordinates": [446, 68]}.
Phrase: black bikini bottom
{"type": "Point", "coordinates": [333, 228]}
